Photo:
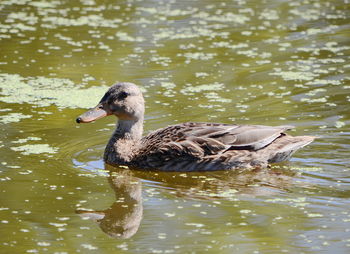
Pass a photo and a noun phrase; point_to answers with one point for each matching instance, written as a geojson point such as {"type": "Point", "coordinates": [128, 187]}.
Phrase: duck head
{"type": "Point", "coordinates": [123, 100]}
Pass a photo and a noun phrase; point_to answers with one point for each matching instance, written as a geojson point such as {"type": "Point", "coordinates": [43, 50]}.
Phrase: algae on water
{"type": "Point", "coordinates": [35, 149]}
{"type": "Point", "coordinates": [43, 92]}
{"type": "Point", "coordinates": [13, 117]}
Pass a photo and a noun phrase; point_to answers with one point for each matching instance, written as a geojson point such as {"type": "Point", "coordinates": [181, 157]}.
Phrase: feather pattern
{"type": "Point", "coordinates": [211, 146]}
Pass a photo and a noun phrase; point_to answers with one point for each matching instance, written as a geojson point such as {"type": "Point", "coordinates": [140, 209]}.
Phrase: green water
{"type": "Point", "coordinates": [269, 62]}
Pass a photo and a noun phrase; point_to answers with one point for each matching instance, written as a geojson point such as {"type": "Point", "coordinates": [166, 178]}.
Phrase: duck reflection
{"type": "Point", "coordinates": [124, 216]}
{"type": "Point", "coordinates": [223, 184]}
{"type": "Point", "coordinates": [122, 219]}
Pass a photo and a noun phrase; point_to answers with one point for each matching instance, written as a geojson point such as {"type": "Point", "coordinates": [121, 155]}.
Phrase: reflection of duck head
{"type": "Point", "coordinates": [123, 218]}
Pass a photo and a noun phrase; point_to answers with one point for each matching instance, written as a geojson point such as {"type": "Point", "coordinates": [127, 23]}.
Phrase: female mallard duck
{"type": "Point", "coordinates": [187, 146]}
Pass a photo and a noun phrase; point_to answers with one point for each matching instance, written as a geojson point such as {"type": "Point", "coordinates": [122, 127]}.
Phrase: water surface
{"type": "Point", "coordinates": [269, 62]}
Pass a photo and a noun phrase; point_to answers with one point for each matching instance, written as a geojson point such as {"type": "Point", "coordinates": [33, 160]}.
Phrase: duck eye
{"type": "Point", "coordinates": [122, 95]}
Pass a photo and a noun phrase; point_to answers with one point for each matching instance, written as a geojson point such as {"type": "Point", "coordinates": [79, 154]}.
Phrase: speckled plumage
{"type": "Point", "coordinates": [188, 146]}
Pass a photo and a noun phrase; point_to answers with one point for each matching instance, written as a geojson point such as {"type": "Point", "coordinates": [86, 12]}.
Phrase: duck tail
{"type": "Point", "coordinates": [287, 145]}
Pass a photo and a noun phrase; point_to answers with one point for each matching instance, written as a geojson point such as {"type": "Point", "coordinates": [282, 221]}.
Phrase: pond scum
{"type": "Point", "coordinates": [248, 62]}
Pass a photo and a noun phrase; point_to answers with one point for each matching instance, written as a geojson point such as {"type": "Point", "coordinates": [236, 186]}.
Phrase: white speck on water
{"type": "Point", "coordinates": [197, 225]}
{"type": "Point", "coordinates": [58, 225]}
{"type": "Point", "coordinates": [339, 124]}
{"type": "Point", "coordinates": [43, 244]}
{"type": "Point", "coordinates": [88, 246]}
{"type": "Point", "coordinates": [314, 215]}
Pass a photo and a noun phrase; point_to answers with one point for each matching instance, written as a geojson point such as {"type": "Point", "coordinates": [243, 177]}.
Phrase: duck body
{"type": "Point", "coordinates": [206, 147]}
{"type": "Point", "coordinates": [188, 146]}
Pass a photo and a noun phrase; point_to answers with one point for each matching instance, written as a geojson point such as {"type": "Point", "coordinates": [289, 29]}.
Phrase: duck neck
{"type": "Point", "coordinates": [129, 129]}
{"type": "Point", "coordinates": [122, 145]}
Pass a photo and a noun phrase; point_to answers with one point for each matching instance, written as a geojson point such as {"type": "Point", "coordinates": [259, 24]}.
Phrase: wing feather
{"type": "Point", "coordinates": [194, 141]}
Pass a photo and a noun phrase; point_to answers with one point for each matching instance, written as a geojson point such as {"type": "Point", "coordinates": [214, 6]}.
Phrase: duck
{"type": "Point", "coordinates": [189, 146]}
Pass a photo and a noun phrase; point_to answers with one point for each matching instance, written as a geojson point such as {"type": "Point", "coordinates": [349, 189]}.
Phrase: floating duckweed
{"type": "Point", "coordinates": [199, 56]}
{"type": "Point", "coordinates": [123, 246]}
{"type": "Point", "coordinates": [308, 169]}
{"type": "Point", "coordinates": [43, 92]}
{"type": "Point", "coordinates": [228, 193]}
{"type": "Point", "coordinates": [197, 225]}
{"type": "Point", "coordinates": [13, 117]}
{"type": "Point", "coordinates": [324, 82]}
{"type": "Point", "coordinates": [88, 246]}
{"type": "Point", "coordinates": [43, 4]}
{"type": "Point", "coordinates": [58, 225]}
{"type": "Point", "coordinates": [314, 100]}
{"type": "Point", "coordinates": [269, 14]}
{"type": "Point", "coordinates": [246, 33]}
{"type": "Point", "coordinates": [339, 124]}
{"type": "Point", "coordinates": [307, 14]}
{"type": "Point", "coordinates": [90, 20]}
{"type": "Point", "coordinates": [294, 75]}
{"type": "Point", "coordinates": [162, 235]}
{"type": "Point", "coordinates": [168, 85]}
{"type": "Point", "coordinates": [11, 166]}
{"type": "Point", "coordinates": [167, 11]}
{"type": "Point", "coordinates": [314, 215]}
{"type": "Point", "coordinates": [206, 87]}
{"type": "Point", "coordinates": [295, 37]}
{"type": "Point", "coordinates": [162, 60]}
{"type": "Point", "coordinates": [263, 62]}
{"type": "Point", "coordinates": [296, 202]}
{"type": "Point", "coordinates": [224, 44]}
{"type": "Point", "coordinates": [248, 53]}
{"type": "Point", "coordinates": [45, 244]}
{"type": "Point", "coordinates": [35, 149]}
{"type": "Point", "coordinates": [24, 140]}
{"type": "Point", "coordinates": [315, 91]}
{"type": "Point", "coordinates": [125, 37]}
{"type": "Point", "coordinates": [201, 74]}
{"type": "Point", "coordinates": [225, 18]}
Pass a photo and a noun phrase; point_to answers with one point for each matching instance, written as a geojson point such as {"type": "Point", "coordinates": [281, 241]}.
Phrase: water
{"type": "Point", "coordinates": [250, 62]}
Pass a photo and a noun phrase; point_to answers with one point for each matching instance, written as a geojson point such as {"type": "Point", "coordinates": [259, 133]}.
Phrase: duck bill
{"type": "Point", "coordinates": [92, 115]}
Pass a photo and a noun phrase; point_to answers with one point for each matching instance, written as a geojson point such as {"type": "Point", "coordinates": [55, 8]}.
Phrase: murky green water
{"type": "Point", "coordinates": [267, 62]}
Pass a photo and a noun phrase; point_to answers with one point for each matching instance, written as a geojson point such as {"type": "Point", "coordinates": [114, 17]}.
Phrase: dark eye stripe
{"type": "Point", "coordinates": [122, 95]}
